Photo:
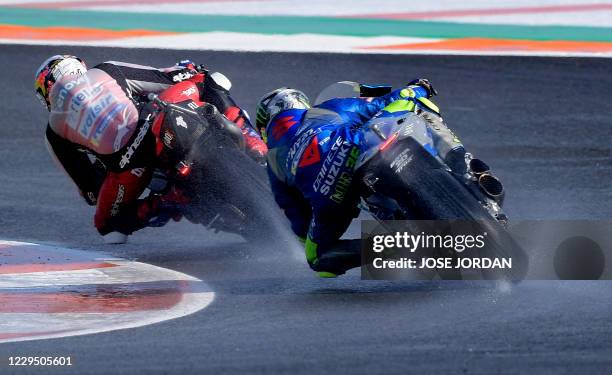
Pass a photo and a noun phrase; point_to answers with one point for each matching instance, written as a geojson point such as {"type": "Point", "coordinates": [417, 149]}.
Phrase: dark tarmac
{"type": "Point", "coordinates": [543, 124]}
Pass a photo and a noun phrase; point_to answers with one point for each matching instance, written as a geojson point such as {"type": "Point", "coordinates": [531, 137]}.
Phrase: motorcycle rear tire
{"type": "Point", "coordinates": [429, 191]}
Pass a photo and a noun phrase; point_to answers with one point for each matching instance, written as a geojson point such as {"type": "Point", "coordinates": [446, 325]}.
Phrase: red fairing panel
{"type": "Point", "coordinates": [93, 111]}
{"type": "Point", "coordinates": [186, 90]}
{"type": "Point", "coordinates": [180, 92]}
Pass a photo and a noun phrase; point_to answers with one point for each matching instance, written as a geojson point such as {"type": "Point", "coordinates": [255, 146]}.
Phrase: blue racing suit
{"type": "Point", "coordinates": [311, 159]}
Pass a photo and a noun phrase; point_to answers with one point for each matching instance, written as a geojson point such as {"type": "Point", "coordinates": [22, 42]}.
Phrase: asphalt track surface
{"type": "Point", "coordinates": [544, 124]}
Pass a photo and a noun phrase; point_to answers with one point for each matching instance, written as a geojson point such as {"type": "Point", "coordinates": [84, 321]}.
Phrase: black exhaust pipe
{"type": "Point", "coordinates": [492, 187]}
{"type": "Point", "coordinates": [478, 167]}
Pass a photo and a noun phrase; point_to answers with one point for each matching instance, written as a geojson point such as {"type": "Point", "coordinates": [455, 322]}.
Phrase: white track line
{"type": "Point", "coordinates": [195, 295]}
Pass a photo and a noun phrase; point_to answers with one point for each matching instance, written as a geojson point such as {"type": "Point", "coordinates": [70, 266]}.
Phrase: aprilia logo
{"type": "Point", "coordinates": [181, 77]}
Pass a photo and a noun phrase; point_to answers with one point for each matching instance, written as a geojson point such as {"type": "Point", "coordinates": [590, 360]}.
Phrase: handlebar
{"type": "Point", "coordinates": [210, 112]}
{"type": "Point", "coordinates": [154, 98]}
{"type": "Point", "coordinates": [163, 105]}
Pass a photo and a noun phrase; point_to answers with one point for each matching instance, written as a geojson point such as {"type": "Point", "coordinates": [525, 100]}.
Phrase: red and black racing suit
{"type": "Point", "coordinates": [99, 135]}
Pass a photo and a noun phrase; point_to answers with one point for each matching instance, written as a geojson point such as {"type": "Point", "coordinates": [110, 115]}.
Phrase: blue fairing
{"type": "Point", "coordinates": [429, 146]}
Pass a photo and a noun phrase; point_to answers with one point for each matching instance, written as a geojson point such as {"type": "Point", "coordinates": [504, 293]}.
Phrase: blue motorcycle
{"type": "Point", "coordinates": [409, 170]}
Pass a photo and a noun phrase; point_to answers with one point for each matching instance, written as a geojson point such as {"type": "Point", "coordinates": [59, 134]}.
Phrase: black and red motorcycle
{"type": "Point", "coordinates": [203, 158]}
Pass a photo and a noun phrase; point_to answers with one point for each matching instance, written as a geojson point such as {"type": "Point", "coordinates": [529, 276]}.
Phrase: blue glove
{"type": "Point", "coordinates": [187, 64]}
{"type": "Point", "coordinates": [166, 211]}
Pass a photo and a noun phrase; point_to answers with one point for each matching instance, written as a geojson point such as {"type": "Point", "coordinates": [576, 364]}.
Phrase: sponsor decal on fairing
{"type": "Point", "coordinates": [181, 122]}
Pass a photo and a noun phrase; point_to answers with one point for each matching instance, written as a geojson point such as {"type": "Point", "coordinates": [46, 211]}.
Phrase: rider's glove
{"type": "Point", "coordinates": [183, 70]}
{"type": "Point", "coordinates": [188, 64]}
{"type": "Point", "coordinates": [424, 83]}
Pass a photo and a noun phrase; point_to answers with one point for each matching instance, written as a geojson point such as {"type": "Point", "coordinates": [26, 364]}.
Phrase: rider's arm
{"type": "Point", "coordinates": [290, 200]}
{"type": "Point", "coordinates": [86, 175]}
{"type": "Point", "coordinates": [357, 110]}
{"type": "Point", "coordinates": [138, 80]}
{"type": "Point", "coordinates": [142, 79]}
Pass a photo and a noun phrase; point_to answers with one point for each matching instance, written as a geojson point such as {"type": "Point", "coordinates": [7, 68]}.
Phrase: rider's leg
{"type": "Point", "coordinates": [325, 252]}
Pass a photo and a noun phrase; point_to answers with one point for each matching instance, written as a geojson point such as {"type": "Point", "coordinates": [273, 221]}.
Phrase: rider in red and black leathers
{"type": "Point", "coordinates": [99, 134]}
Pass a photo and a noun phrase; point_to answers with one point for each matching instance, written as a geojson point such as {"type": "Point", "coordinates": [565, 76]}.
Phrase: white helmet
{"type": "Point", "coordinates": [277, 101]}
{"type": "Point", "coordinates": [52, 70]}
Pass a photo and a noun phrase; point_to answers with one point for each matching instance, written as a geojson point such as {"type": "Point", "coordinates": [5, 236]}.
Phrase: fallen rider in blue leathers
{"type": "Point", "coordinates": [311, 160]}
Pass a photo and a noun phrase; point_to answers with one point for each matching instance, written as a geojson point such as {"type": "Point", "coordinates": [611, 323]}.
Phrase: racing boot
{"type": "Point", "coordinates": [342, 256]}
